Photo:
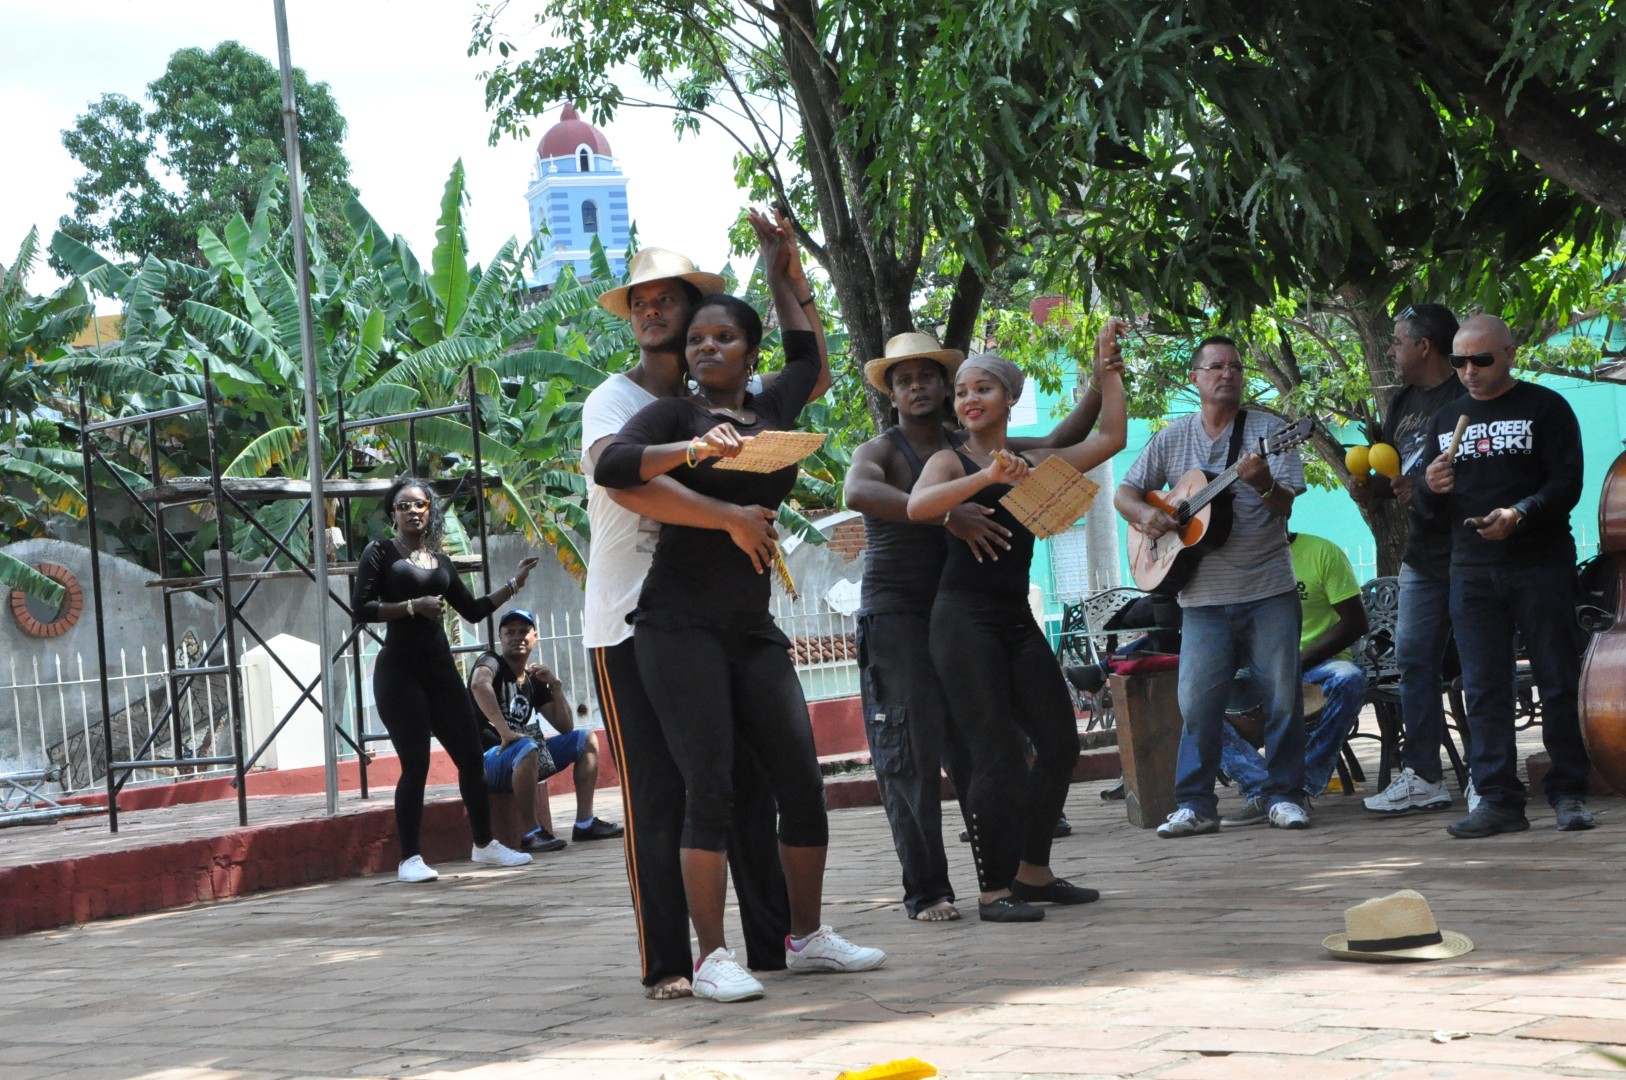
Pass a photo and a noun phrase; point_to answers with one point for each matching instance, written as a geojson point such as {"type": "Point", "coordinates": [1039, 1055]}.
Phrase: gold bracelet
{"type": "Point", "coordinates": [409, 609]}
{"type": "Point", "coordinates": [1268, 492]}
{"type": "Point", "coordinates": [689, 457]}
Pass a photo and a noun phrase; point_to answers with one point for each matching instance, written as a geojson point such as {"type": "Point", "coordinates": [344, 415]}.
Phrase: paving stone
{"type": "Point", "coordinates": [1586, 1031]}
{"type": "Point", "coordinates": [1473, 1050]}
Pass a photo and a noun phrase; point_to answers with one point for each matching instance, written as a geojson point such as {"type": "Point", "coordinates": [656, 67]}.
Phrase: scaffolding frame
{"type": "Point", "coordinates": [234, 499]}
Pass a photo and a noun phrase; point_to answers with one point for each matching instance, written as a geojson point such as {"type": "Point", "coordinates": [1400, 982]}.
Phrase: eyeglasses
{"type": "Point", "coordinates": [1478, 359]}
{"type": "Point", "coordinates": [412, 504]}
{"type": "Point", "coordinates": [1231, 366]}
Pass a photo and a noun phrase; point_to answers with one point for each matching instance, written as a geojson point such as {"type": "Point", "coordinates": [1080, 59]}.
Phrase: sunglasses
{"type": "Point", "coordinates": [1478, 359]}
{"type": "Point", "coordinates": [412, 504]}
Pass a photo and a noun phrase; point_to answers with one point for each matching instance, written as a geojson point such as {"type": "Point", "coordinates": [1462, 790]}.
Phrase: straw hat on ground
{"type": "Point", "coordinates": [1396, 927]}
{"type": "Point", "coordinates": [655, 264]}
{"type": "Point", "coordinates": [911, 346]}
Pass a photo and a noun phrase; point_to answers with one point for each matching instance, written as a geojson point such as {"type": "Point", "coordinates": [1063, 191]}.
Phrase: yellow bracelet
{"type": "Point", "coordinates": [689, 455]}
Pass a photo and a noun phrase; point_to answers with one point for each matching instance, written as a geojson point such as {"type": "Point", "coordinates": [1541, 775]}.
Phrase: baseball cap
{"type": "Point", "coordinates": [517, 613]}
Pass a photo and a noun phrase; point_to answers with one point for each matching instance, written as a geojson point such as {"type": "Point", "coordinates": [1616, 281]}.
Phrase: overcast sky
{"type": "Point", "coordinates": [399, 72]}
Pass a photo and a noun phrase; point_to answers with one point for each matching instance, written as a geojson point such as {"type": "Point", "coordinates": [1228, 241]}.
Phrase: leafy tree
{"type": "Point", "coordinates": [200, 155]}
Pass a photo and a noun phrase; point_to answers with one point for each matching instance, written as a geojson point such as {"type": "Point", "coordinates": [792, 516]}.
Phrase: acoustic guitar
{"type": "Point", "coordinates": [1201, 505]}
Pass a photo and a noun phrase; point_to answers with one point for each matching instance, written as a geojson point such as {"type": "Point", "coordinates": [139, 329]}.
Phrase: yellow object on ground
{"type": "Point", "coordinates": [1357, 462]}
{"type": "Point", "coordinates": [902, 1069]}
{"type": "Point", "coordinates": [1384, 459]}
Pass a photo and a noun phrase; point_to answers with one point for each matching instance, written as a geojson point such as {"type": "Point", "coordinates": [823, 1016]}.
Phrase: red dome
{"type": "Point", "coordinates": [562, 139]}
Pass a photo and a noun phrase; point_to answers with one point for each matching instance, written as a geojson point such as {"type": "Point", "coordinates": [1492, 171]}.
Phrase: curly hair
{"type": "Point", "coordinates": [437, 514]}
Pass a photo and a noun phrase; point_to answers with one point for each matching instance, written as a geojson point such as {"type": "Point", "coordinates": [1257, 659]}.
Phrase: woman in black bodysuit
{"type": "Point", "coordinates": [717, 668]}
{"type": "Point", "coordinates": [402, 582]}
{"type": "Point", "coordinates": [989, 651]}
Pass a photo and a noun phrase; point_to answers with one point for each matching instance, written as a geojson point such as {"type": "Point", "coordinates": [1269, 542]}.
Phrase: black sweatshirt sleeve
{"type": "Point", "coordinates": [1559, 451]}
{"type": "Point", "coordinates": [364, 594]}
{"type": "Point", "coordinates": [621, 463]}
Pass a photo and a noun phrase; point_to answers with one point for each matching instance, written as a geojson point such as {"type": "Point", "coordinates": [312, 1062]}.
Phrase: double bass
{"type": "Point", "coordinates": [1603, 674]}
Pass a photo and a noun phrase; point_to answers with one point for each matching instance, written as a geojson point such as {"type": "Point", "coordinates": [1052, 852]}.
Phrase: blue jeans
{"type": "Point", "coordinates": [1344, 686]}
{"type": "Point", "coordinates": [1422, 635]}
{"type": "Point", "coordinates": [1215, 642]}
{"type": "Point", "coordinates": [1488, 605]}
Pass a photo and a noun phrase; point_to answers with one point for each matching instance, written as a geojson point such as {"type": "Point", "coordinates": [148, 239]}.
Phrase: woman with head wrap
{"type": "Point", "coordinates": [989, 651]}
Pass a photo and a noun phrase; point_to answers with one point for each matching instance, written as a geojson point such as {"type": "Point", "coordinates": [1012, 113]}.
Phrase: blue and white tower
{"type": "Point", "coordinates": [577, 192]}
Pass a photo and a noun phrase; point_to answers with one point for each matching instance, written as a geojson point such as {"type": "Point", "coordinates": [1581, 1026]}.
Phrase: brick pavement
{"type": "Point", "coordinates": [1203, 961]}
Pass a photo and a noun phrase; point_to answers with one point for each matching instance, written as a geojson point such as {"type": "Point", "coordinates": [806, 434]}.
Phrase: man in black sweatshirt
{"type": "Point", "coordinates": [1508, 495]}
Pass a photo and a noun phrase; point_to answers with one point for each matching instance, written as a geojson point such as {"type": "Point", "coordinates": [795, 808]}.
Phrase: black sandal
{"type": "Point", "coordinates": [1008, 909]}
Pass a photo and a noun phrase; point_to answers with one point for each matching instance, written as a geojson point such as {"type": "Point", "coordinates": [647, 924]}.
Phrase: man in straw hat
{"type": "Point", "coordinates": [1508, 494]}
{"type": "Point", "coordinates": [1399, 926]}
{"type": "Point", "coordinates": [905, 713]}
{"type": "Point", "coordinates": [663, 289]}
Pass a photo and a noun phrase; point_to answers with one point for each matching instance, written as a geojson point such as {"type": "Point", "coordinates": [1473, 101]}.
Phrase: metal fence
{"type": "Point", "coordinates": [55, 724]}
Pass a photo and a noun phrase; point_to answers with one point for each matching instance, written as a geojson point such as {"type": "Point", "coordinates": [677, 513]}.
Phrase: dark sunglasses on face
{"type": "Point", "coordinates": [1478, 359]}
{"type": "Point", "coordinates": [412, 504]}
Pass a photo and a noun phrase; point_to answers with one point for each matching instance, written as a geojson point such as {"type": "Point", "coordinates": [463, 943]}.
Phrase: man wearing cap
{"type": "Point", "coordinates": [1240, 609]}
{"type": "Point", "coordinates": [1508, 494]}
{"type": "Point", "coordinates": [662, 290]}
{"type": "Point", "coordinates": [905, 713]}
{"type": "Point", "coordinates": [509, 693]}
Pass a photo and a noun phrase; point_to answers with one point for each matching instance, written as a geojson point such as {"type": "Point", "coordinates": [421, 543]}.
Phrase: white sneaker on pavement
{"type": "Point", "coordinates": [498, 854]}
{"type": "Point", "coordinates": [415, 870]}
{"type": "Point", "coordinates": [1408, 791]}
{"type": "Point", "coordinates": [721, 979]}
{"type": "Point", "coordinates": [826, 950]}
{"type": "Point", "coordinates": [1185, 822]}
{"type": "Point", "coordinates": [1287, 815]}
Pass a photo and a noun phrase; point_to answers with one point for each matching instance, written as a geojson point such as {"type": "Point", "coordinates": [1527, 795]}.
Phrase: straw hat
{"type": "Point", "coordinates": [1395, 927]}
{"type": "Point", "coordinates": [911, 346]}
{"type": "Point", "coordinates": [656, 264]}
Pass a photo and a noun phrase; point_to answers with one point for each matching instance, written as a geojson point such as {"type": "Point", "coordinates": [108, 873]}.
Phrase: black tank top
{"type": "Point", "coordinates": [903, 562]}
{"type": "Point", "coordinates": [1008, 577]}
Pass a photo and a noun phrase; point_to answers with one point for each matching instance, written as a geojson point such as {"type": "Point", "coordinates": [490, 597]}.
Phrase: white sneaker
{"type": "Point", "coordinates": [826, 950]}
{"type": "Point", "coordinates": [415, 870]}
{"type": "Point", "coordinates": [719, 978]}
{"type": "Point", "coordinates": [496, 854]}
{"type": "Point", "coordinates": [1288, 815]}
{"type": "Point", "coordinates": [1185, 822]}
{"type": "Point", "coordinates": [1408, 791]}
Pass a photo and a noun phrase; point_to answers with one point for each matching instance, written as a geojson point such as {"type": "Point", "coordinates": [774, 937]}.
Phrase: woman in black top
{"type": "Point", "coordinates": [990, 654]}
{"type": "Point", "coordinates": [401, 582]}
{"type": "Point", "coordinates": [717, 667]}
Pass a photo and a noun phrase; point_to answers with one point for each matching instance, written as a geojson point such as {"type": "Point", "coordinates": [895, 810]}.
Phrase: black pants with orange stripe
{"type": "Point", "coordinates": [652, 795]}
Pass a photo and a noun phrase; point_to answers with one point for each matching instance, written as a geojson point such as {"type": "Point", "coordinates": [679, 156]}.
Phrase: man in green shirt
{"type": "Point", "coordinates": [1334, 619]}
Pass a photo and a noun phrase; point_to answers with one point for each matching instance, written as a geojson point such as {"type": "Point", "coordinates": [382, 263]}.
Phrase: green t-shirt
{"type": "Point", "coordinates": [1325, 579]}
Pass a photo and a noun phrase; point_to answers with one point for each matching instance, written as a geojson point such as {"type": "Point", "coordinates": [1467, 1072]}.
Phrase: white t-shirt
{"type": "Point", "coordinates": [623, 543]}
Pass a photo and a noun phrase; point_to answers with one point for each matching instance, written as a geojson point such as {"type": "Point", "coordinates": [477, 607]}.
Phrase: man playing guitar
{"type": "Point", "coordinates": [1240, 605]}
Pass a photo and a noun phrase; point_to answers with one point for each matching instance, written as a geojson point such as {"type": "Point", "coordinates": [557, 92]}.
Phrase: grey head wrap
{"type": "Point", "coordinates": [1003, 371]}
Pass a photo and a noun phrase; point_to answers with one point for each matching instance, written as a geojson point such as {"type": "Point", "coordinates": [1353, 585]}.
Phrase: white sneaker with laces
{"type": "Point", "coordinates": [1185, 822]}
{"type": "Point", "coordinates": [497, 854]}
{"type": "Point", "coordinates": [1408, 791]}
{"type": "Point", "coordinates": [826, 950]}
{"type": "Point", "coordinates": [415, 870]}
{"type": "Point", "coordinates": [1287, 815]}
{"type": "Point", "coordinates": [721, 979]}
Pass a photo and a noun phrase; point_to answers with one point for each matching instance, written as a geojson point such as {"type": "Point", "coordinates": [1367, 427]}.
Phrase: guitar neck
{"type": "Point", "coordinates": [1208, 491]}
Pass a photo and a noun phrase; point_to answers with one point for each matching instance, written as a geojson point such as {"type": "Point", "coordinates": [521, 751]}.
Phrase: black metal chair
{"type": "Point", "coordinates": [1084, 645]}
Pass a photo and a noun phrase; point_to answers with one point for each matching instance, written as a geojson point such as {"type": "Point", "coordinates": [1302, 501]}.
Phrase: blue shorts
{"type": "Point", "coordinates": [500, 760]}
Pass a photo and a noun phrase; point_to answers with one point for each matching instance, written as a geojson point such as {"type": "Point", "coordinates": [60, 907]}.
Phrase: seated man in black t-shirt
{"type": "Point", "coordinates": [511, 696]}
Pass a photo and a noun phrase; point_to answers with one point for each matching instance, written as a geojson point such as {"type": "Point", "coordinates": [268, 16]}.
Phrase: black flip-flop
{"type": "Point", "coordinates": [1008, 909]}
